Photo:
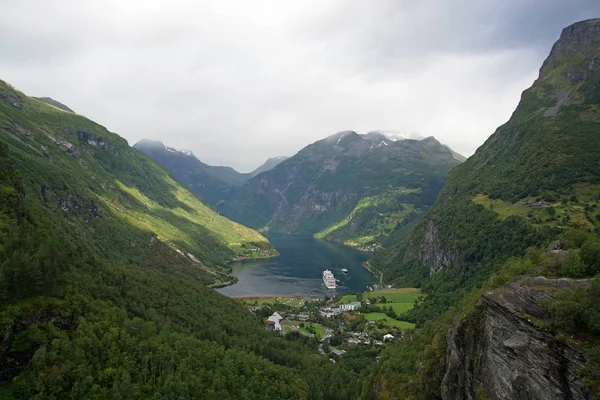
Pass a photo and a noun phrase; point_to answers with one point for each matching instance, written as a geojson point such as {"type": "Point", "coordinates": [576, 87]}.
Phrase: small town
{"type": "Point", "coordinates": [361, 322]}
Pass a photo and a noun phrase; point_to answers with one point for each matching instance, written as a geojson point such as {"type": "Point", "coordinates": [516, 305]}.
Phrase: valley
{"type": "Point", "coordinates": [298, 268]}
{"type": "Point", "coordinates": [141, 272]}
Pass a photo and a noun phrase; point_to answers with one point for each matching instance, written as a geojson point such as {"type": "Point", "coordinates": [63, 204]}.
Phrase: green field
{"type": "Point", "coordinates": [399, 308]}
{"type": "Point", "coordinates": [400, 299]}
{"type": "Point", "coordinates": [389, 321]}
{"type": "Point", "coordinates": [319, 330]}
{"type": "Point", "coordinates": [399, 295]}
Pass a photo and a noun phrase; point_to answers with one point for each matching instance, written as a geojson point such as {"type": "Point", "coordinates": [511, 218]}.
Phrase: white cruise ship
{"type": "Point", "coordinates": [329, 279]}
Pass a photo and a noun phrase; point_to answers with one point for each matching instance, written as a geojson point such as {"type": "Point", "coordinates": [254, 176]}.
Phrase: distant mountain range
{"type": "Point", "coordinates": [211, 183]}
{"type": "Point", "coordinates": [349, 187]}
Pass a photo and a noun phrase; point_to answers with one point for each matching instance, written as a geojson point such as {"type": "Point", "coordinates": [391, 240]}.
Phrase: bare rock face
{"type": "Point", "coordinates": [497, 353]}
{"type": "Point", "coordinates": [434, 252]}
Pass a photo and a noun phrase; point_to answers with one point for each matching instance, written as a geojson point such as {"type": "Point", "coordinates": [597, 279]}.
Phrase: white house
{"type": "Point", "coordinates": [388, 337]}
{"type": "Point", "coordinates": [274, 321]}
{"type": "Point", "coordinates": [350, 306]}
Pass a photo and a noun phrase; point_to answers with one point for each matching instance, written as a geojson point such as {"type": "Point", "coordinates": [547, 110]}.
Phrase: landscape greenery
{"type": "Point", "coordinates": [106, 258]}
{"type": "Point", "coordinates": [104, 263]}
{"type": "Point", "coordinates": [531, 190]}
{"type": "Point", "coordinates": [353, 188]}
{"type": "Point", "coordinates": [212, 184]}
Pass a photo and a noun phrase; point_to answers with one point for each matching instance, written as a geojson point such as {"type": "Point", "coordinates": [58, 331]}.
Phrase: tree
{"type": "Point", "coordinates": [573, 266]}
{"type": "Point", "coordinates": [590, 255]}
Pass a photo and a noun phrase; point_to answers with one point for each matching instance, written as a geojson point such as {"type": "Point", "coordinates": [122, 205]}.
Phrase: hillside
{"type": "Point", "coordinates": [104, 259]}
{"type": "Point", "coordinates": [212, 183]}
{"type": "Point", "coordinates": [90, 181]}
{"type": "Point", "coordinates": [268, 165]}
{"type": "Point", "coordinates": [525, 204]}
{"type": "Point", "coordinates": [349, 187]}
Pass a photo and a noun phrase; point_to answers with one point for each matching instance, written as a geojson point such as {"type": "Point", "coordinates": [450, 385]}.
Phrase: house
{"type": "Point", "coordinates": [338, 353]}
{"type": "Point", "coordinates": [388, 337]}
{"type": "Point", "coordinates": [330, 311]}
{"type": "Point", "coordinates": [350, 306]}
{"type": "Point", "coordinates": [354, 341]}
{"type": "Point", "coordinates": [303, 317]}
{"type": "Point", "coordinates": [274, 322]}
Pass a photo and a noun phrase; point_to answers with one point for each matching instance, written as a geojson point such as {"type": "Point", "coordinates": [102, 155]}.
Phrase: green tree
{"type": "Point", "coordinates": [590, 255]}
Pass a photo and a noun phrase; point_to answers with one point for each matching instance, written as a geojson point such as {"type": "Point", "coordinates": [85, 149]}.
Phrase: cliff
{"type": "Point", "coordinates": [497, 352]}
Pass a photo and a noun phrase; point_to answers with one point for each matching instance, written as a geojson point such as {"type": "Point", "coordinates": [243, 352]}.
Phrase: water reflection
{"type": "Point", "coordinates": [298, 269]}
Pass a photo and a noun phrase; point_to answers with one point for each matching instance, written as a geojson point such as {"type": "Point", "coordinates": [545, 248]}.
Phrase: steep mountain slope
{"type": "Point", "coordinates": [548, 152]}
{"type": "Point", "coordinates": [94, 183]}
{"type": "Point", "coordinates": [525, 204]}
{"type": "Point", "coordinates": [212, 183]}
{"type": "Point", "coordinates": [268, 165]}
{"type": "Point", "coordinates": [350, 187]}
{"type": "Point", "coordinates": [103, 263]}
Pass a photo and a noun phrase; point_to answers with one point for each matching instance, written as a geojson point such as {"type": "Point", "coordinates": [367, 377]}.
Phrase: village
{"type": "Point", "coordinates": [352, 322]}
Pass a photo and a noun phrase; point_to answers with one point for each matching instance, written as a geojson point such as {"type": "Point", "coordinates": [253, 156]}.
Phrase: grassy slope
{"type": "Point", "coordinates": [352, 195]}
{"type": "Point", "coordinates": [94, 300]}
{"type": "Point", "coordinates": [541, 155]}
{"type": "Point", "coordinates": [91, 181]}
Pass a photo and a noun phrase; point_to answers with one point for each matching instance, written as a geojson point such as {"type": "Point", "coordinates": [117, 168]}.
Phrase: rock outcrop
{"type": "Point", "coordinates": [434, 252]}
{"type": "Point", "coordinates": [498, 353]}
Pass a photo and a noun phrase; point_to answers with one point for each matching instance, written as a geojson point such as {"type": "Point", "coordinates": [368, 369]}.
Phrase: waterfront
{"type": "Point", "coordinates": [298, 269]}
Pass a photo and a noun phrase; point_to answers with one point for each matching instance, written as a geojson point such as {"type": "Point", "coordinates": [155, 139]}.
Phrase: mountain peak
{"type": "Point", "coordinates": [158, 145]}
{"type": "Point", "coordinates": [397, 135]}
{"type": "Point", "coordinates": [575, 51]}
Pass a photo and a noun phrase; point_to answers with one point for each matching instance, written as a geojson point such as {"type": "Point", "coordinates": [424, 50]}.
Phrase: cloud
{"type": "Point", "coordinates": [237, 82]}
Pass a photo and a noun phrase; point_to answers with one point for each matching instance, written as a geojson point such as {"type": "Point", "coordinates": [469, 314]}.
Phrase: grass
{"type": "Point", "coordinates": [368, 202]}
{"type": "Point", "coordinates": [319, 330]}
{"type": "Point", "coordinates": [400, 299]}
{"type": "Point", "coordinates": [568, 213]}
{"type": "Point", "coordinates": [389, 321]}
{"type": "Point", "coordinates": [398, 295]}
{"type": "Point", "coordinates": [399, 308]}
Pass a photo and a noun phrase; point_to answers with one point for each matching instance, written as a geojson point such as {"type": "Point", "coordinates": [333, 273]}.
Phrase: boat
{"type": "Point", "coordinates": [344, 270]}
{"type": "Point", "coordinates": [329, 279]}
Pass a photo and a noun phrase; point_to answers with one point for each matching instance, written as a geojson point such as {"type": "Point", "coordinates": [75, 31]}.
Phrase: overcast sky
{"type": "Point", "coordinates": [237, 82]}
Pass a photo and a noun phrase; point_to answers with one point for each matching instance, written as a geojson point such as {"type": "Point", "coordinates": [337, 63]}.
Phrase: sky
{"type": "Point", "coordinates": [237, 82]}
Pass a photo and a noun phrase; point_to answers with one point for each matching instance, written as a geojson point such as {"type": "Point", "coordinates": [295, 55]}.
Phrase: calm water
{"type": "Point", "coordinates": [299, 269]}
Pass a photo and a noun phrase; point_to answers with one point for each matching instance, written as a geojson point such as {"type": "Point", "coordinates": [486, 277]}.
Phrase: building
{"type": "Point", "coordinates": [355, 305]}
{"type": "Point", "coordinates": [338, 353]}
{"type": "Point", "coordinates": [274, 322]}
{"type": "Point", "coordinates": [388, 337]}
{"type": "Point", "coordinates": [330, 311]}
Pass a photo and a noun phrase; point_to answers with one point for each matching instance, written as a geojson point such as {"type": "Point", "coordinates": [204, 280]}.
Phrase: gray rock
{"type": "Point", "coordinates": [498, 353]}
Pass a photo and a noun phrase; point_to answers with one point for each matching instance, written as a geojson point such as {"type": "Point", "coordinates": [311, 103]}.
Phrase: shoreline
{"type": "Point", "coordinates": [367, 266]}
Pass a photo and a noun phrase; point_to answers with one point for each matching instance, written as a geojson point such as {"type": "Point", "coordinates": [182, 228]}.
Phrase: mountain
{"type": "Point", "coordinates": [350, 187]}
{"type": "Point", "coordinates": [268, 165]}
{"type": "Point", "coordinates": [524, 206]}
{"type": "Point", "coordinates": [212, 183]}
{"type": "Point", "coordinates": [54, 103]}
{"type": "Point", "coordinates": [104, 261]}
{"type": "Point", "coordinates": [91, 181]}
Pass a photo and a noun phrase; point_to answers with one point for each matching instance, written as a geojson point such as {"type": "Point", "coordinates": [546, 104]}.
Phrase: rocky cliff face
{"type": "Point", "coordinates": [498, 353]}
{"type": "Point", "coordinates": [434, 252]}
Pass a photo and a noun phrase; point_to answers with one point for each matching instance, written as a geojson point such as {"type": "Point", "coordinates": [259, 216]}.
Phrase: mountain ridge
{"type": "Point", "coordinates": [350, 187]}
{"type": "Point", "coordinates": [497, 253]}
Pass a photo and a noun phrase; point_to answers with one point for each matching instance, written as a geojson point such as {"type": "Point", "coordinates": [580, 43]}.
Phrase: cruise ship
{"type": "Point", "coordinates": [329, 279]}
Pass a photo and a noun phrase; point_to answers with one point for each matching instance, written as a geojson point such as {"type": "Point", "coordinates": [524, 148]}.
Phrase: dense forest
{"type": "Point", "coordinates": [90, 315]}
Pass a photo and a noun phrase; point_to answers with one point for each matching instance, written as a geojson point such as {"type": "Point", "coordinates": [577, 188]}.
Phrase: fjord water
{"type": "Point", "coordinates": [298, 269]}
